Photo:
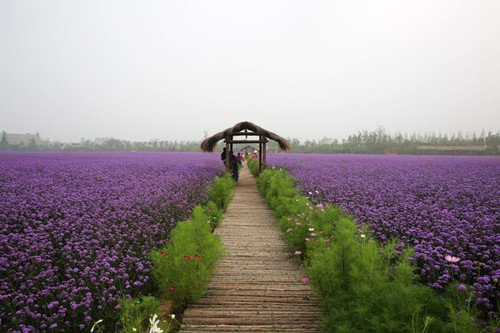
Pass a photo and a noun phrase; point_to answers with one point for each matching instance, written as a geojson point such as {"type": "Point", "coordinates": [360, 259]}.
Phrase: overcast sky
{"type": "Point", "coordinates": [173, 70]}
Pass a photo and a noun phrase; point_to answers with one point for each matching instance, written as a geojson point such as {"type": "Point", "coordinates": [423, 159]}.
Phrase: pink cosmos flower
{"type": "Point", "coordinates": [307, 239]}
{"type": "Point", "coordinates": [187, 258]}
{"type": "Point", "coordinates": [289, 229]}
{"type": "Point", "coordinates": [196, 256]}
{"type": "Point", "coordinates": [313, 234]}
{"type": "Point", "coordinates": [451, 258]}
{"type": "Point", "coordinates": [298, 252]}
{"type": "Point", "coordinates": [305, 280]}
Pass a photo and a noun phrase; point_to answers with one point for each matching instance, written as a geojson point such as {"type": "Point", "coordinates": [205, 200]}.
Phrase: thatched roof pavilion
{"type": "Point", "coordinates": [245, 129]}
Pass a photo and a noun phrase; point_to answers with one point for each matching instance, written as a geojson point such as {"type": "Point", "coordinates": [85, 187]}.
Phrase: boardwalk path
{"type": "Point", "coordinates": [257, 287]}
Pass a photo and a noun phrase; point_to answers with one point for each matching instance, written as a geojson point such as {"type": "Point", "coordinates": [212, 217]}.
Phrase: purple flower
{"type": "Point", "coordinates": [81, 226]}
{"type": "Point", "coordinates": [440, 205]}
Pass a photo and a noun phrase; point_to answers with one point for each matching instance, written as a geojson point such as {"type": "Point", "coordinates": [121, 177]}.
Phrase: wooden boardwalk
{"type": "Point", "coordinates": [257, 287]}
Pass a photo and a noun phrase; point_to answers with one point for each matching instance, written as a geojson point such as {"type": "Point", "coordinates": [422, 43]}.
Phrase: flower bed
{"type": "Point", "coordinates": [77, 230]}
{"type": "Point", "coordinates": [445, 207]}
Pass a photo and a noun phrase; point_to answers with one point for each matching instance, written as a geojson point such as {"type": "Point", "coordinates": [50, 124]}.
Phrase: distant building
{"type": "Point", "coordinates": [20, 141]}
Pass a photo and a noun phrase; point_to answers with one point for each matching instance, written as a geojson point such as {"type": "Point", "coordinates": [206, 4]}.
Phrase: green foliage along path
{"type": "Point", "coordinates": [258, 286]}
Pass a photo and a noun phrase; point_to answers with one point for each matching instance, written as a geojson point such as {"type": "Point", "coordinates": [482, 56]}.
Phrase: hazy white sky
{"type": "Point", "coordinates": [172, 70]}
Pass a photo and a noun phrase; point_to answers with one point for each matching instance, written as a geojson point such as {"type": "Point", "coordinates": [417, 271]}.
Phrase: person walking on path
{"type": "Point", "coordinates": [234, 165]}
{"type": "Point", "coordinates": [240, 158]}
{"type": "Point", "coordinates": [223, 156]}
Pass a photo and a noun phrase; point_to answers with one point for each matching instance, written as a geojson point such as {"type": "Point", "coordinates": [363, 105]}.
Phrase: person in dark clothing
{"type": "Point", "coordinates": [234, 165]}
{"type": "Point", "coordinates": [223, 156]}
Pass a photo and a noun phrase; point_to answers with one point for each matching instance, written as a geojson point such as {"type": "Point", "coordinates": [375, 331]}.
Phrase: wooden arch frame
{"type": "Point", "coordinates": [246, 129]}
{"type": "Point", "coordinates": [246, 148]}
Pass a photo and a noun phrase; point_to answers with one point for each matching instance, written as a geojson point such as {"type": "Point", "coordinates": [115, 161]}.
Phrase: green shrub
{"type": "Point", "coordinates": [253, 166]}
{"type": "Point", "coordinates": [135, 313]}
{"type": "Point", "coordinates": [363, 286]}
{"type": "Point", "coordinates": [220, 192]}
{"type": "Point", "coordinates": [214, 213]}
{"type": "Point", "coordinates": [184, 268]}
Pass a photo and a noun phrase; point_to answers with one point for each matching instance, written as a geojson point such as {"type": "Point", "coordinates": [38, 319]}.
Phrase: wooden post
{"type": "Point", "coordinates": [260, 154]}
{"type": "Point", "coordinates": [264, 163]}
{"type": "Point", "coordinates": [232, 141]}
{"type": "Point", "coordinates": [227, 154]}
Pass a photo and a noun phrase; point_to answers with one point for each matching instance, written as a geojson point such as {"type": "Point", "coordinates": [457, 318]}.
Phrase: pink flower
{"type": "Point", "coordinates": [451, 258]}
{"type": "Point", "coordinates": [305, 280]}
{"type": "Point", "coordinates": [196, 256]}
{"type": "Point", "coordinates": [187, 258]}
{"type": "Point", "coordinates": [289, 229]}
{"type": "Point", "coordinates": [164, 254]}
{"type": "Point", "coordinates": [307, 239]}
{"type": "Point", "coordinates": [298, 252]}
{"type": "Point", "coordinates": [298, 223]}
{"type": "Point", "coordinates": [313, 234]}
{"type": "Point", "coordinates": [172, 289]}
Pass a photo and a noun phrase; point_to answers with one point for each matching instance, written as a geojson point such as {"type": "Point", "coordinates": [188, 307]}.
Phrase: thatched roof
{"type": "Point", "coordinates": [209, 143]}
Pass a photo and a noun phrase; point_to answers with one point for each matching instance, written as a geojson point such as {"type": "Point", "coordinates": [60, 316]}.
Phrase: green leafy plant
{"type": "Point", "coordinates": [184, 268]}
{"type": "Point", "coordinates": [135, 313]}
{"type": "Point", "coordinates": [253, 165]}
{"type": "Point", "coordinates": [363, 286]}
{"type": "Point", "coordinates": [220, 192]}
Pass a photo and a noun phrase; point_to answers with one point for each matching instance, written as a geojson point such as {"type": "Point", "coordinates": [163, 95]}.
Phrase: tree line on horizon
{"type": "Point", "coordinates": [363, 142]}
{"type": "Point", "coordinates": [380, 142]}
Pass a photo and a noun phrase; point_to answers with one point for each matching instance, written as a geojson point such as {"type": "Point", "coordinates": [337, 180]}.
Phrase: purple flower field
{"type": "Point", "coordinates": [445, 207]}
{"type": "Point", "coordinates": [76, 230]}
